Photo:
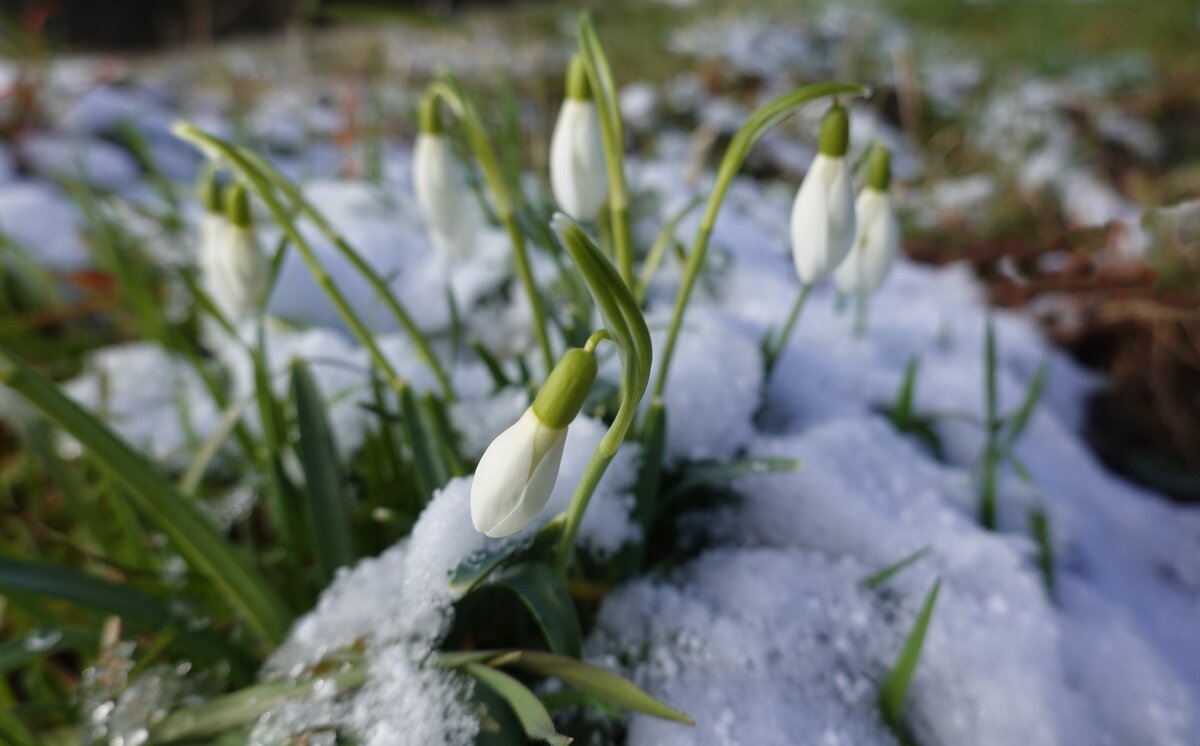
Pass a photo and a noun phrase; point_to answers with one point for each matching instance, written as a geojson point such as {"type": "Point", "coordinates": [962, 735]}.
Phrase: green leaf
{"type": "Point", "coordinates": [723, 472]}
{"type": "Point", "coordinates": [877, 579]}
{"type": "Point", "coordinates": [134, 607]}
{"type": "Point", "coordinates": [499, 378]}
{"type": "Point", "coordinates": [544, 595]}
{"type": "Point", "coordinates": [1039, 529]}
{"type": "Point", "coordinates": [658, 249]}
{"type": "Point", "coordinates": [528, 708]}
{"type": "Point", "coordinates": [895, 687]}
{"type": "Point", "coordinates": [902, 410]}
{"type": "Point", "coordinates": [1019, 420]}
{"type": "Point", "coordinates": [989, 377]}
{"type": "Point", "coordinates": [190, 532]}
{"type": "Point", "coordinates": [654, 443]}
{"type": "Point", "coordinates": [431, 471]}
{"type": "Point", "coordinates": [211, 446]}
{"type": "Point", "coordinates": [600, 683]}
{"type": "Point", "coordinates": [13, 732]}
{"type": "Point", "coordinates": [329, 505]}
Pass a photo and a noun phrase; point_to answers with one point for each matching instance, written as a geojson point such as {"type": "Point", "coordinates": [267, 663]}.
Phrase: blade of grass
{"type": "Point", "coordinates": [877, 579]}
{"type": "Point", "coordinates": [332, 531]}
{"type": "Point", "coordinates": [528, 708]}
{"type": "Point", "coordinates": [189, 531]}
{"type": "Point", "coordinates": [895, 687]}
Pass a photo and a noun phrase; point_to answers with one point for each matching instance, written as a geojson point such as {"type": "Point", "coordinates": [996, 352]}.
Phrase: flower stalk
{"type": "Point", "coordinates": [449, 90]}
{"type": "Point", "coordinates": [759, 123]}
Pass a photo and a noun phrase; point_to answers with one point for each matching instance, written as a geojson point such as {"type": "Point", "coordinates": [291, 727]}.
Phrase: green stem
{"type": "Point", "coordinates": [596, 338]}
{"type": "Point", "coordinates": [525, 274]}
{"type": "Point", "coordinates": [759, 123]}
{"type": "Point", "coordinates": [612, 132]}
{"type": "Point", "coordinates": [583, 495]}
{"type": "Point", "coordinates": [785, 334]}
{"type": "Point", "coordinates": [448, 89]}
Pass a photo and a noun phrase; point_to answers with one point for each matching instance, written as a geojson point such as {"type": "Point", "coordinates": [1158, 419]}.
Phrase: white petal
{"type": "Point", "coordinates": [449, 207]}
{"type": "Point", "coordinates": [537, 491]}
{"type": "Point", "coordinates": [238, 271]}
{"type": "Point", "coordinates": [577, 171]}
{"type": "Point", "coordinates": [876, 243]}
{"type": "Point", "coordinates": [822, 219]}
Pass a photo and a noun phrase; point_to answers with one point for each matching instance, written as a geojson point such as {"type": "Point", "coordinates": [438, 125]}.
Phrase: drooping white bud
{"type": "Point", "coordinates": [578, 176]}
{"type": "Point", "coordinates": [823, 213]}
{"type": "Point", "coordinates": [236, 269]}
{"type": "Point", "coordinates": [516, 475]}
{"type": "Point", "coordinates": [877, 237]}
{"type": "Point", "coordinates": [450, 209]}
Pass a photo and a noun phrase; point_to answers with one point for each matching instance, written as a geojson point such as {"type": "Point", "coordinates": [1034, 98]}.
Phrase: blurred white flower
{"type": "Point", "coordinates": [578, 175]}
{"type": "Point", "coordinates": [235, 268]}
{"type": "Point", "coordinates": [450, 208]}
{"type": "Point", "coordinates": [823, 213]}
{"type": "Point", "coordinates": [876, 242]}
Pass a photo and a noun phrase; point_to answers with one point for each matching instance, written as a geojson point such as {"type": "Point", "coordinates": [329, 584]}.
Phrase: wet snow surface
{"type": "Point", "coordinates": [768, 637]}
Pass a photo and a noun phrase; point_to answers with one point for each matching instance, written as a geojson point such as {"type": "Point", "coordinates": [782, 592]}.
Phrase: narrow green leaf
{"type": "Point", "coordinates": [1039, 529]}
{"type": "Point", "coordinates": [877, 579]}
{"type": "Point", "coordinates": [1019, 420]}
{"type": "Point", "coordinates": [895, 687]}
{"type": "Point", "coordinates": [431, 471]}
{"type": "Point", "coordinates": [544, 595]}
{"type": "Point", "coordinates": [658, 249]}
{"type": "Point", "coordinates": [600, 683]}
{"type": "Point", "coordinates": [499, 379]}
{"type": "Point", "coordinates": [654, 443]}
{"type": "Point", "coordinates": [989, 376]}
{"type": "Point", "coordinates": [528, 708]}
{"type": "Point", "coordinates": [723, 472]}
{"type": "Point", "coordinates": [134, 607]}
{"type": "Point", "coordinates": [230, 419]}
{"type": "Point", "coordinates": [191, 533]}
{"type": "Point", "coordinates": [902, 410]}
{"type": "Point", "coordinates": [332, 531]}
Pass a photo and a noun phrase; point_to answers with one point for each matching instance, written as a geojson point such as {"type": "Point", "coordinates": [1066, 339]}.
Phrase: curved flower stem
{"type": "Point", "coordinates": [449, 90]}
{"type": "Point", "coordinates": [627, 328]}
{"type": "Point", "coordinates": [600, 79]}
{"type": "Point", "coordinates": [597, 337]}
{"type": "Point", "coordinates": [780, 341]}
{"type": "Point", "coordinates": [759, 123]}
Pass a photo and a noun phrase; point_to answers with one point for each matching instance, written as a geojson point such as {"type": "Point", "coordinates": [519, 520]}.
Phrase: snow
{"type": "Point", "coordinates": [767, 636]}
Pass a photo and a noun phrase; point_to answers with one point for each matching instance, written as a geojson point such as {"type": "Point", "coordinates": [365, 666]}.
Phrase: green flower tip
{"type": "Point", "coordinates": [429, 117]}
{"type": "Point", "coordinates": [835, 132]}
{"type": "Point", "coordinates": [237, 205]}
{"type": "Point", "coordinates": [578, 88]}
{"type": "Point", "coordinates": [209, 191]}
{"type": "Point", "coordinates": [566, 389]}
{"type": "Point", "coordinates": [879, 168]}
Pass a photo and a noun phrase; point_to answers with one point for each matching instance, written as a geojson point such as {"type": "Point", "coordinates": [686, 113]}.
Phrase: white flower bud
{"type": "Point", "coordinates": [875, 245]}
{"type": "Point", "coordinates": [822, 219]}
{"type": "Point", "coordinates": [577, 170]}
{"type": "Point", "coordinates": [449, 207]}
{"type": "Point", "coordinates": [516, 475]}
{"type": "Point", "coordinates": [236, 270]}
{"type": "Point", "coordinates": [823, 214]}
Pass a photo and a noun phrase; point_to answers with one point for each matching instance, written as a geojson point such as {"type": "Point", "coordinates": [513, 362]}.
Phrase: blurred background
{"type": "Point", "coordinates": [1050, 144]}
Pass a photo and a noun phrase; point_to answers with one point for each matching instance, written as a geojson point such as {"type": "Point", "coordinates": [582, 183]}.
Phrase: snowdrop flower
{"type": "Point", "coordinates": [877, 237]}
{"type": "Point", "coordinates": [578, 176]}
{"type": "Point", "coordinates": [237, 271]}
{"type": "Point", "coordinates": [212, 228]}
{"type": "Point", "coordinates": [823, 214]}
{"type": "Point", "coordinates": [516, 475]}
{"type": "Point", "coordinates": [446, 201]}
